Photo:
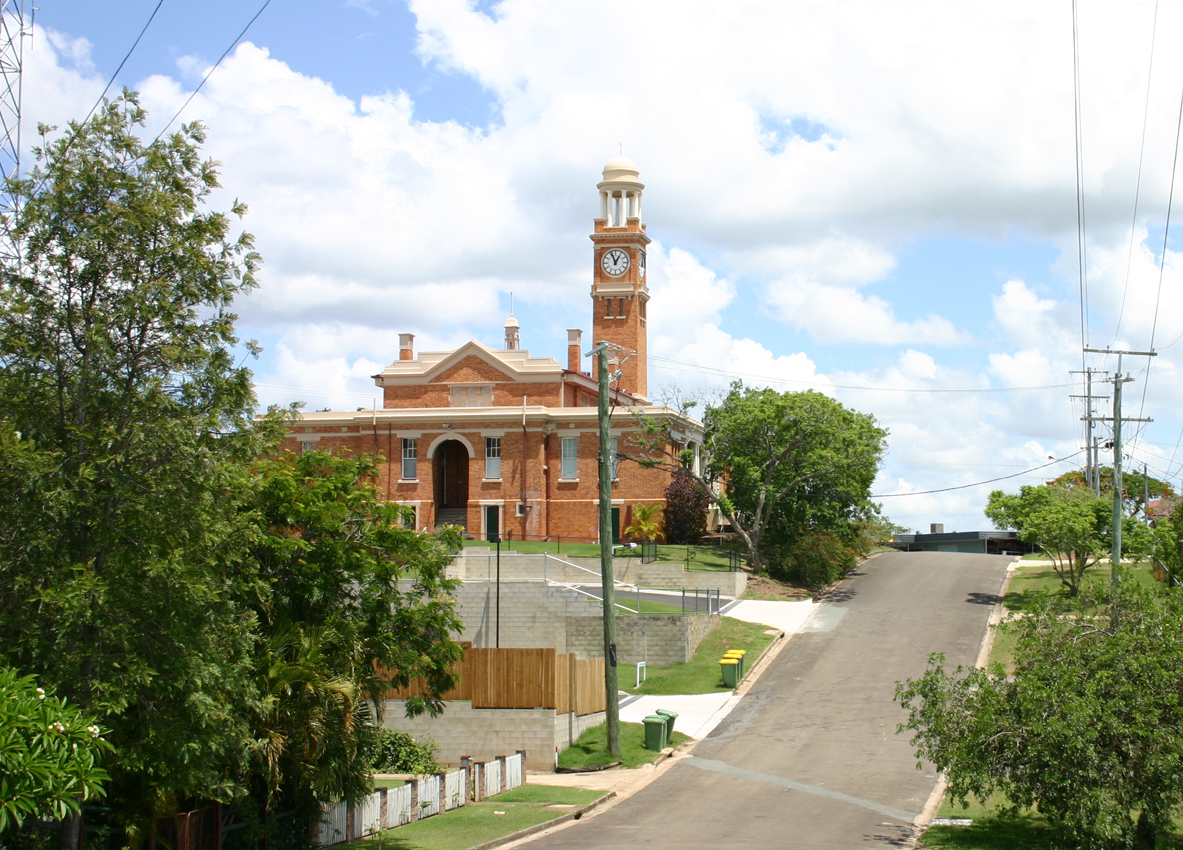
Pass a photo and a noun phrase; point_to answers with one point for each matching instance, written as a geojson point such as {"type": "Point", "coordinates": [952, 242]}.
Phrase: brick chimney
{"type": "Point", "coordinates": [574, 349]}
{"type": "Point", "coordinates": [406, 346]}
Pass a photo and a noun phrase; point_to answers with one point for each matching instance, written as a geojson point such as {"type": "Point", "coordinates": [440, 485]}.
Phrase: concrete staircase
{"type": "Point", "coordinates": [451, 516]}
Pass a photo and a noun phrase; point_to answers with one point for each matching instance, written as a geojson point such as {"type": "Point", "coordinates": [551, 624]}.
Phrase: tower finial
{"type": "Point", "coordinates": [512, 339]}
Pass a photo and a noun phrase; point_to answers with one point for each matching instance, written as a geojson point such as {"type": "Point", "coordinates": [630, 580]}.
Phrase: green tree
{"type": "Point", "coordinates": [49, 754]}
{"type": "Point", "coordinates": [342, 630]}
{"type": "Point", "coordinates": [1168, 545]}
{"type": "Point", "coordinates": [1086, 728]}
{"type": "Point", "coordinates": [788, 463]}
{"type": "Point", "coordinates": [1137, 488]}
{"type": "Point", "coordinates": [1068, 524]}
{"type": "Point", "coordinates": [126, 433]}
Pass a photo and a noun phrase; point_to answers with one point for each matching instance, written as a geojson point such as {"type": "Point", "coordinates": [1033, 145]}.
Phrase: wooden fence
{"type": "Point", "coordinates": [525, 678]}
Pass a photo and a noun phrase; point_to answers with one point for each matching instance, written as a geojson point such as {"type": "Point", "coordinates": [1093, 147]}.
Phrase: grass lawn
{"type": "Point", "coordinates": [700, 675]}
{"type": "Point", "coordinates": [992, 832]}
{"type": "Point", "coordinates": [591, 748]}
{"type": "Point", "coordinates": [629, 605]}
{"type": "Point", "coordinates": [699, 558]}
{"type": "Point", "coordinates": [477, 823]}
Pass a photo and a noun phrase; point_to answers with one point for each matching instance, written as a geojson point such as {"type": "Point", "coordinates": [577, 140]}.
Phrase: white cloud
{"type": "Point", "coordinates": [790, 152]}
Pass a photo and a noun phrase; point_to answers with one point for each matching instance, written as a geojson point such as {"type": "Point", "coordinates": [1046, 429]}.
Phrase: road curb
{"type": "Point", "coordinates": [924, 819]}
{"type": "Point", "coordinates": [540, 827]}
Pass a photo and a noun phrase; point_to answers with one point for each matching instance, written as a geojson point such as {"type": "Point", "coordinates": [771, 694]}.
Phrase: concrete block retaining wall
{"type": "Point", "coordinates": [657, 639]}
{"type": "Point", "coordinates": [664, 576]}
{"type": "Point", "coordinates": [534, 614]}
{"type": "Point", "coordinates": [481, 733]}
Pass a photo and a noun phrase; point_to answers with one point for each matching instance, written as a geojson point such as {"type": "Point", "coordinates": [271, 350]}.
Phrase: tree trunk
{"type": "Point", "coordinates": [70, 837]}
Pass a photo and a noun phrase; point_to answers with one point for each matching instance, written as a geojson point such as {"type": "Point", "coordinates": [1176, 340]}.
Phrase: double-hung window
{"type": "Point", "coordinates": [615, 459]}
{"type": "Point", "coordinates": [492, 457]}
{"type": "Point", "coordinates": [570, 457]}
{"type": "Point", "coordinates": [409, 460]}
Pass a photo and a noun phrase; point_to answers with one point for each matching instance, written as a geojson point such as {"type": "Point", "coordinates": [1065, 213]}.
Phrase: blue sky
{"type": "Point", "coordinates": [881, 198]}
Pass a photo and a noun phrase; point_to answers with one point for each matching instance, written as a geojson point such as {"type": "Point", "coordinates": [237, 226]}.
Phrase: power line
{"type": "Point", "coordinates": [708, 370]}
{"type": "Point", "coordinates": [106, 88]}
{"type": "Point", "coordinates": [980, 483]}
{"type": "Point", "coordinates": [233, 44]}
{"type": "Point", "coordinates": [1162, 264]}
{"type": "Point", "coordinates": [1138, 183]}
{"type": "Point", "coordinates": [1082, 275]}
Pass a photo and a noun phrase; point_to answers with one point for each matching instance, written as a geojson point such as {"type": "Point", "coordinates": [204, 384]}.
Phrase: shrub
{"type": "Point", "coordinates": [685, 509]}
{"type": "Point", "coordinates": [813, 560]}
{"type": "Point", "coordinates": [399, 752]}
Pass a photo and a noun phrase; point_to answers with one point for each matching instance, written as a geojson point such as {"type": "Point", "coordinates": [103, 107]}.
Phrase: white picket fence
{"type": "Point", "coordinates": [429, 796]}
{"type": "Point", "coordinates": [420, 797]}
{"type": "Point", "coordinates": [398, 805]}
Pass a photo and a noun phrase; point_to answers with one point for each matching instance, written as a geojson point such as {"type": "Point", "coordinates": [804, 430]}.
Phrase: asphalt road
{"type": "Point", "coordinates": [810, 758]}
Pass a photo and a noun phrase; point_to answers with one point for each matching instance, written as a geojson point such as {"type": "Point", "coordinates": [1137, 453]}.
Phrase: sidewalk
{"type": "Point", "coordinates": [698, 714]}
{"type": "Point", "coordinates": [786, 616]}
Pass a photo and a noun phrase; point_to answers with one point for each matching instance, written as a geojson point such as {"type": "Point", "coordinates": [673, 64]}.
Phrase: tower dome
{"type": "Point", "coordinates": [621, 168]}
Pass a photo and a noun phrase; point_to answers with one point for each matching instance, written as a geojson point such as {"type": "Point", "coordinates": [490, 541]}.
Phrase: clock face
{"type": "Point", "coordinates": [641, 269]}
{"type": "Point", "coordinates": [614, 262]}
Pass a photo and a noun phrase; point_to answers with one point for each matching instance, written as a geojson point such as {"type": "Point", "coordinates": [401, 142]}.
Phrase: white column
{"type": "Point", "coordinates": [603, 204]}
{"type": "Point", "coordinates": [638, 206]}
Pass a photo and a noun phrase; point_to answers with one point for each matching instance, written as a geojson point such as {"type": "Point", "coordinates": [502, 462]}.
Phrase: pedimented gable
{"type": "Point", "coordinates": [471, 369]}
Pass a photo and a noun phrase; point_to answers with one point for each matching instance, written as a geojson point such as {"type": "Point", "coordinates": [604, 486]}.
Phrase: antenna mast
{"type": "Point", "coordinates": [12, 39]}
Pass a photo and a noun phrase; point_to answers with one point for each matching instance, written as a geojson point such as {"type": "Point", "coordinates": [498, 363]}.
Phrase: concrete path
{"type": "Point", "coordinates": [809, 759]}
{"type": "Point", "coordinates": [698, 714]}
{"type": "Point", "coordinates": [786, 616]}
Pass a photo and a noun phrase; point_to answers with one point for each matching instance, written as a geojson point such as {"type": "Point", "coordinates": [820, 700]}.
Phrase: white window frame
{"type": "Point", "coordinates": [492, 458]}
{"type": "Point", "coordinates": [410, 459]}
{"type": "Point", "coordinates": [615, 455]}
{"type": "Point", "coordinates": [569, 468]}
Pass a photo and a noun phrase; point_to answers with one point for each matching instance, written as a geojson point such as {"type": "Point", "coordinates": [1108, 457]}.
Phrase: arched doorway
{"type": "Point", "coordinates": [451, 477]}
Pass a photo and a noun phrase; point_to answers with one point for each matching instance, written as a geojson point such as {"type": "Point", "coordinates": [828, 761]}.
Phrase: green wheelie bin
{"type": "Point", "coordinates": [738, 655]}
{"type": "Point", "coordinates": [655, 726]}
{"type": "Point", "coordinates": [730, 668]}
{"type": "Point", "coordinates": [670, 717]}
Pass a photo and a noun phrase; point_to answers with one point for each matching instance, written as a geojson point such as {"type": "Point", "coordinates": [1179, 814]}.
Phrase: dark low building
{"type": "Point", "coordinates": [977, 542]}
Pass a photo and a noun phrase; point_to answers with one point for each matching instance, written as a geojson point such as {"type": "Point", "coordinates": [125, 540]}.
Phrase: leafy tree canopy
{"type": "Point", "coordinates": [779, 465]}
{"type": "Point", "coordinates": [49, 753]}
{"type": "Point", "coordinates": [126, 429]}
{"type": "Point", "coordinates": [230, 620]}
{"type": "Point", "coordinates": [1136, 487]}
{"type": "Point", "coordinates": [1087, 727]}
{"type": "Point", "coordinates": [1069, 524]}
{"type": "Point", "coordinates": [343, 630]}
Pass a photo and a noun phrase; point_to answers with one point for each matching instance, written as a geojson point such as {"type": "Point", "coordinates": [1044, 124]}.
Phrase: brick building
{"type": "Point", "coordinates": [504, 442]}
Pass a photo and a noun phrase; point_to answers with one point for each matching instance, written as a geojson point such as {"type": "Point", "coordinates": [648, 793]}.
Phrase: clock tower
{"type": "Point", "coordinates": [619, 291]}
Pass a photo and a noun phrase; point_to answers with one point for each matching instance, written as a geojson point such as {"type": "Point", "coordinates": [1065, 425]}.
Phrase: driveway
{"type": "Point", "coordinates": [809, 758]}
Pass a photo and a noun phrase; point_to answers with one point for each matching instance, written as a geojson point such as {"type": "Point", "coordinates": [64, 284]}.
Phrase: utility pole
{"type": "Point", "coordinates": [611, 693]}
{"type": "Point", "coordinates": [1092, 478]}
{"type": "Point", "coordinates": [1118, 506]}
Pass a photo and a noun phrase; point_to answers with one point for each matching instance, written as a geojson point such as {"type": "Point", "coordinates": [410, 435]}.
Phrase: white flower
{"type": "Point", "coordinates": [41, 693]}
{"type": "Point", "coordinates": [93, 730]}
{"type": "Point", "coordinates": [58, 727]}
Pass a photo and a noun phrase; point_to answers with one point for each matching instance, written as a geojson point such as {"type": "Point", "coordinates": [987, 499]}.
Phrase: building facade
{"type": "Point", "coordinates": [506, 443]}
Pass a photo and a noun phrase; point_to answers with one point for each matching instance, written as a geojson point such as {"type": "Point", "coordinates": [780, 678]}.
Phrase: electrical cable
{"type": "Point", "coordinates": [708, 370]}
{"type": "Point", "coordinates": [1162, 265]}
{"type": "Point", "coordinates": [226, 53]}
{"type": "Point", "coordinates": [106, 88]}
{"type": "Point", "coordinates": [1138, 183]}
{"type": "Point", "coordinates": [1082, 275]}
{"type": "Point", "coordinates": [978, 483]}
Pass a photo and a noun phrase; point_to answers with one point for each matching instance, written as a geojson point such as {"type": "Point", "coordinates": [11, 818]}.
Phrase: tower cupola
{"type": "Point", "coordinates": [620, 192]}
